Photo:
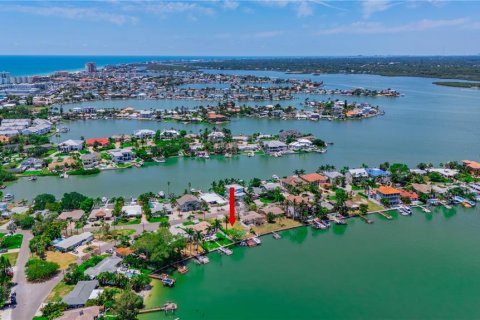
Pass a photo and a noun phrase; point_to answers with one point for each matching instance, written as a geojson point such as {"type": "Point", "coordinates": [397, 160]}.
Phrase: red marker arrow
{"type": "Point", "coordinates": [232, 218]}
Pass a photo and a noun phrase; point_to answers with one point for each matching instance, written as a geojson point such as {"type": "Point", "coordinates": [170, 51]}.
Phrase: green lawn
{"type": "Point", "coordinates": [127, 222]}
{"type": "Point", "coordinates": [44, 172]}
{"type": "Point", "coordinates": [158, 219]}
{"type": "Point", "coordinates": [266, 201]}
{"type": "Point", "coordinates": [11, 242]}
{"type": "Point", "coordinates": [12, 257]}
{"type": "Point", "coordinates": [93, 261]}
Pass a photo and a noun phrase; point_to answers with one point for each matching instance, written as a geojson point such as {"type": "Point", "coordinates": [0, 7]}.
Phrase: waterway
{"type": "Point", "coordinates": [429, 123]}
{"type": "Point", "coordinates": [419, 267]}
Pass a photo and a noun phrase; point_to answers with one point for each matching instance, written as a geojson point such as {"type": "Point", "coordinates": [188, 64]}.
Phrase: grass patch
{"type": "Point", "coordinates": [93, 261]}
{"type": "Point", "coordinates": [265, 200]}
{"type": "Point", "coordinates": [60, 258]}
{"type": "Point", "coordinates": [38, 173]}
{"type": "Point", "coordinates": [12, 257]}
{"type": "Point", "coordinates": [126, 222]}
{"type": "Point", "coordinates": [209, 245]}
{"type": "Point", "coordinates": [157, 219]}
{"type": "Point", "coordinates": [59, 291]}
{"type": "Point", "coordinates": [280, 223]}
{"type": "Point", "coordinates": [11, 242]}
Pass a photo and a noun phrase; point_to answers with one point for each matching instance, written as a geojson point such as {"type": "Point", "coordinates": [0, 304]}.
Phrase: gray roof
{"type": "Point", "coordinates": [109, 264]}
{"type": "Point", "coordinates": [80, 294]}
{"type": "Point", "coordinates": [73, 240]}
{"type": "Point", "coordinates": [186, 198]}
{"type": "Point", "coordinates": [274, 144]}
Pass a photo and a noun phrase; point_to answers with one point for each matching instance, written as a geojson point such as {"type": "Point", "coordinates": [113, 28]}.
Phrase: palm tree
{"type": "Point", "coordinates": [198, 236]}
{"type": "Point", "coordinates": [4, 264]}
{"type": "Point", "coordinates": [217, 224]}
{"type": "Point", "coordinates": [226, 220]}
{"type": "Point", "coordinates": [191, 233]}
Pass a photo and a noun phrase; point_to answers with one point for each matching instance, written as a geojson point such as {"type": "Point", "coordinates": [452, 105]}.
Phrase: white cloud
{"type": "Point", "coordinates": [304, 9]}
{"type": "Point", "coordinates": [378, 28]}
{"type": "Point", "coordinates": [370, 7]}
{"type": "Point", "coordinates": [230, 4]}
{"type": "Point", "coordinates": [69, 12]}
{"type": "Point", "coordinates": [267, 34]}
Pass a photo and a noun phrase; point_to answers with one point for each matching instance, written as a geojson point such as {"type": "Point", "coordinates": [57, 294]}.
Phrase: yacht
{"type": "Point", "coordinates": [257, 240]}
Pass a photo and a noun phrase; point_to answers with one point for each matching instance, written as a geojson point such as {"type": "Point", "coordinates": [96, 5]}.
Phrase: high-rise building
{"type": "Point", "coordinates": [90, 67]}
{"type": "Point", "coordinates": [4, 77]}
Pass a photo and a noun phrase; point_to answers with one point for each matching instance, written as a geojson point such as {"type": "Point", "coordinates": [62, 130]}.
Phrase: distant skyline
{"type": "Point", "coordinates": [240, 28]}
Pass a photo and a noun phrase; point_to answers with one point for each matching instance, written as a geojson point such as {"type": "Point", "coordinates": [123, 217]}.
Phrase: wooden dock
{"type": "Point", "coordinates": [167, 307]}
{"type": "Point", "coordinates": [365, 219]}
{"type": "Point", "coordinates": [386, 215]}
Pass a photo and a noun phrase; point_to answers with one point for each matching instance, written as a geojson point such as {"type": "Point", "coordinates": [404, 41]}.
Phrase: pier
{"type": "Point", "coordinates": [167, 307]}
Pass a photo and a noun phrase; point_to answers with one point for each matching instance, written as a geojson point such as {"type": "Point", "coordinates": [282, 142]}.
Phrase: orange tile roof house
{"type": "Point", "coordinates": [101, 141]}
{"type": "Point", "coordinates": [314, 178]}
{"type": "Point", "coordinates": [292, 181]}
{"type": "Point", "coordinates": [389, 193]}
{"type": "Point", "coordinates": [473, 166]}
{"type": "Point", "coordinates": [409, 194]}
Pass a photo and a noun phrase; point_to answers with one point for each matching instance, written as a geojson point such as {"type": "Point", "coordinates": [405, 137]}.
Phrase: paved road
{"type": "Point", "coordinates": [29, 295]}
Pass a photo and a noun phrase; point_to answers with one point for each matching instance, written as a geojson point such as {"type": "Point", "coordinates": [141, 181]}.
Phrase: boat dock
{"type": "Point", "coordinates": [446, 205]}
{"type": "Point", "coordinates": [365, 219]}
{"type": "Point", "coordinates": [167, 307]}
{"type": "Point", "coordinates": [384, 214]}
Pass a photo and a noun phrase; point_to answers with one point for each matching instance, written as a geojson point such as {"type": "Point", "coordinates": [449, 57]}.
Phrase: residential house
{"type": "Point", "coordinates": [389, 193]}
{"type": "Point", "coordinates": [315, 179]}
{"type": "Point", "coordinates": [144, 134]}
{"type": "Point", "coordinates": [88, 313]}
{"type": "Point", "coordinates": [74, 215]}
{"type": "Point", "coordinates": [473, 167]}
{"type": "Point", "coordinates": [188, 202]}
{"type": "Point", "coordinates": [160, 208]}
{"type": "Point", "coordinates": [253, 217]}
{"type": "Point", "coordinates": [274, 146]}
{"type": "Point", "coordinates": [109, 264]}
{"type": "Point", "coordinates": [67, 162]}
{"type": "Point", "coordinates": [100, 214]}
{"type": "Point", "coordinates": [408, 194]}
{"type": "Point", "coordinates": [121, 155]}
{"type": "Point", "coordinates": [272, 209]}
{"type": "Point", "coordinates": [238, 190]}
{"type": "Point", "coordinates": [292, 181]}
{"type": "Point", "coordinates": [132, 211]}
{"type": "Point", "coordinates": [356, 175]}
{"type": "Point", "coordinates": [422, 188]}
{"type": "Point", "coordinates": [70, 145]}
{"type": "Point", "coordinates": [73, 242]}
{"type": "Point", "coordinates": [300, 145]}
{"type": "Point", "coordinates": [333, 176]}
{"type": "Point", "coordinates": [169, 134]}
{"type": "Point", "coordinates": [90, 160]}
{"type": "Point", "coordinates": [213, 199]}
{"type": "Point", "coordinates": [80, 293]}
{"type": "Point", "coordinates": [97, 141]}
{"type": "Point", "coordinates": [216, 136]}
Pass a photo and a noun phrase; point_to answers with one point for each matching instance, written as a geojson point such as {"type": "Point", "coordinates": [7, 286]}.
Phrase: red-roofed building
{"type": "Point", "coordinates": [101, 141]}
{"type": "Point", "coordinates": [407, 194]}
{"type": "Point", "coordinates": [314, 178]}
{"type": "Point", "coordinates": [473, 166]}
{"type": "Point", "coordinates": [215, 117]}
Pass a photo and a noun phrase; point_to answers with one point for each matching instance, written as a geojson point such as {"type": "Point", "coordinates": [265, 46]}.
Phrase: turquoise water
{"type": "Point", "coordinates": [419, 267]}
{"type": "Point", "coordinates": [429, 124]}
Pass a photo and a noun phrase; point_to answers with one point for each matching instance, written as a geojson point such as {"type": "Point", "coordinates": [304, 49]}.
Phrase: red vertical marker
{"type": "Point", "coordinates": [232, 219]}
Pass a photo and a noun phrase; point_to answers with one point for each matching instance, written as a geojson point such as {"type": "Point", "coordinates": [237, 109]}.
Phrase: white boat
{"type": "Point", "coordinates": [8, 197]}
{"type": "Point", "coordinates": [257, 240]}
{"type": "Point", "coordinates": [276, 236]}
{"type": "Point", "coordinates": [228, 155]}
{"type": "Point", "coordinates": [161, 194]}
{"type": "Point", "coordinates": [32, 178]}
{"type": "Point", "coordinates": [203, 259]}
{"type": "Point", "coordinates": [404, 210]}
{"type": "Point", "coordinates": [64, 175]}
{"type": "Point", "coordinates": [275, 177]}
{"type": "Point", "coordinates": [225, 251]}
{"type": "Point", "coordinates": [251, 154]}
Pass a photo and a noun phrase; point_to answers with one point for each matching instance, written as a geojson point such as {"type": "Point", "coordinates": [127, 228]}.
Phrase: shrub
{"type": "Point", "coordinates": [40, 270]}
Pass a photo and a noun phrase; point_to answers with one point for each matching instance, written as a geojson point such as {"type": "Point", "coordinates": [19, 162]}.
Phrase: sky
{"type": "Point", "coordinates": [240, 28]}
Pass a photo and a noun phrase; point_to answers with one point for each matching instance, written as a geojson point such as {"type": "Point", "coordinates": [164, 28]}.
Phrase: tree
{"type": "Point", "coordinates": [270, 217]}
{"type": "Point", "coordinates": [41, 201]}
{"type": "Point", "coordinates": [74, 274]}
{"type": "Point", "coordinates": [385, 202]}
{"type": "Point", "coordinates": [139, 282]}
{"type": "Point", "coordinates": [40, 270]}
{"type": "Point", "coordinates": [127, 305]}
{"type": "Point", "coordinates": [363, 208]}
{"type": "Point", "coordinates": [160, 246]}
{"type": "Point", "coordinates": [72, 200]}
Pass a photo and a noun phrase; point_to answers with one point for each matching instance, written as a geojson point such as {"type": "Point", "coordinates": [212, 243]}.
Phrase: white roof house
{"type": "Point", "coordinates": [144, 133]}
{"type": "Point", "coordinates": [213, 198]}
{"type": "Point", "coordinates": [358, 173]}
{"type": "Point", "coordinates": [132, 210]}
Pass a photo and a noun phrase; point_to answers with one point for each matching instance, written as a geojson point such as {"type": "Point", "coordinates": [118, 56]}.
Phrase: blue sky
{"type": "Point", "coordinates": [240, 28]}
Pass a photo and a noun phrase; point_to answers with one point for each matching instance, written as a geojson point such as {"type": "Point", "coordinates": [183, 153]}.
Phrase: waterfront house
{"type": "Point", "coordinates": [472, 166]}
{"type": "Point", "coordinates": [109, 264]}
{"type": "Point", "coordinates": [389, 193]}
{"type": "Point", "coordinates": [408, 194]}
{"type": "Point", "coordinates": [333, 176]}
{"type": "Point", "coordinates": [448, 173]}
{"type": "Point", "coordinates": [88, 313]}
{"type": "Point", "coordinates": [70, 145]}
{"type": "Point", "coordinates": [31, 163]}
{"type": "Point", "coordinates": [100, 214]}
{"type": "Point", "coordinates": [213, 199]}
{"type": "Point", "coordinates": [315, 179]}
{"type": "Point", "coordinates": [97, 141]}
{"type": "Point", "coordinates": [121, 155]}
{"type": "Point", "coordinates": [216, 136]}
{"type": "Point", "coordinates": [253, 217]}
{"type": "Point", "coordinates": [300, 145]}
{"type": "Point", "coordinates": [73, 242]}
{"type": "Point", "coordinates": [188, 202]}
{"type": "Point", "coordinates": [144, 134]}
{"type": "Point", "coordinates": [169, 134]}
{"type": "Point", "coordinates": [132, 211]}
{"type": "Point", "coordinates": [274, 146]}
{"type": "Point", "coordinates": [292, 182]}
{"type": "Point", "coordinates": [90, 160]}
{"type": "Point", "coordinates": [80, 293]}
{"type": "Point", "coordinates": [239, 190]}
{"type": "Point", "coordinates": [200, 227]}
{"type": "Point", "coordinates": [377, 173]}
{"type": "Point", "coordinates": [160, 208]}
{"type": "Point", "coordinates": [215, 117]}
{"type": "Point", "coordinates": [271, 186]}
{"type": "Point", "coordinates": [356, 175]}
{"type": "Point", "coordinates": [67, 162]}
{"type": "Point", "coordinates": [74, 215]}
